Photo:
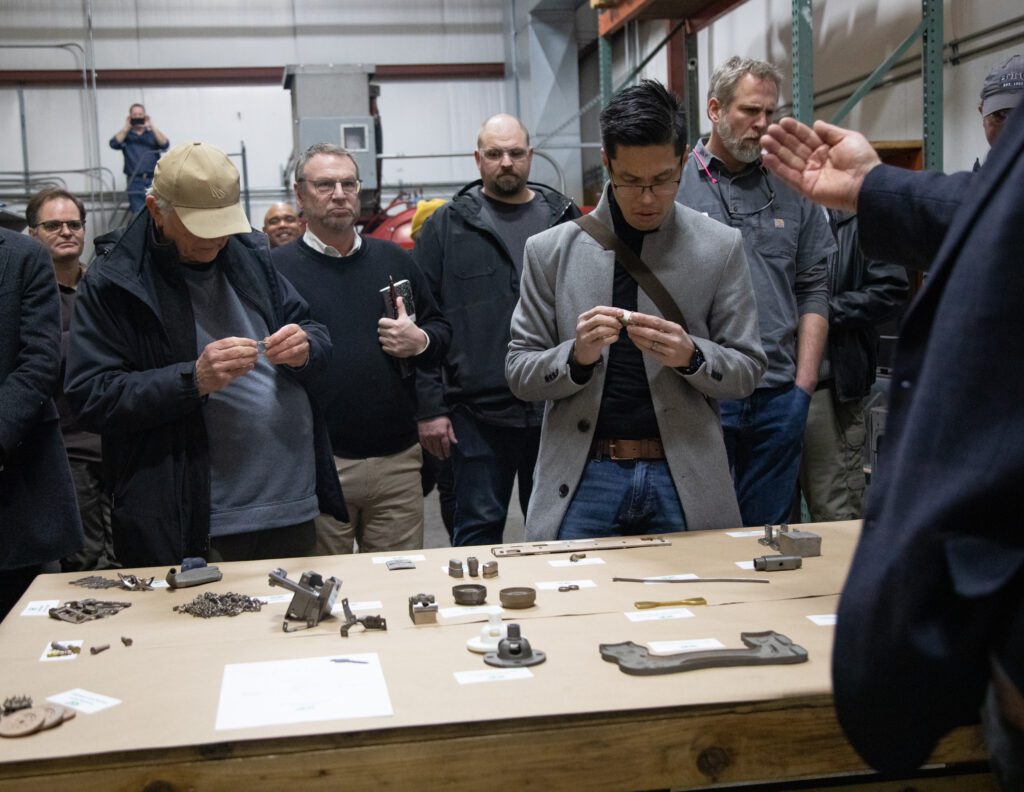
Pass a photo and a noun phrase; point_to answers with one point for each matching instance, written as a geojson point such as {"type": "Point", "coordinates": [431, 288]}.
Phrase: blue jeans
{"type": "Point", "coordinates": [623, 498]}
{"type": "Point", "coordinates": [763, 437]}
{"type": "Point", "coordinates": [137, 187]}
{"type": "Point", "coordinates": [486, 462]}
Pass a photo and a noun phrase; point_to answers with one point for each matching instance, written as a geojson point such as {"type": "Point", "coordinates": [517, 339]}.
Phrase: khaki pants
{"type": "Point", "coordinates": [832, 467]}
{"type": "Point", "coordinates": [384, 497]}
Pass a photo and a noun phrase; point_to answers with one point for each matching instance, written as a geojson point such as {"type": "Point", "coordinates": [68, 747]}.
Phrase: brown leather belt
{"type": "Point", "coordinates": [647, 448]}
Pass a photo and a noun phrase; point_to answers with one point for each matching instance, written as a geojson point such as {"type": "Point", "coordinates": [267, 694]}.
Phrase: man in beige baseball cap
{"type": "Point", "coordinates": [192, 356]}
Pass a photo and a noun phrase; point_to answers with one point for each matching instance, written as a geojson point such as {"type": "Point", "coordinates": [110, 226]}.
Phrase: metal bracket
{"type": "Point", "coordinates": [423, 609]}
{"type": "Point", "coordinates": [368, 622]}
{"type": "Point", "coordinates": [763, 648]}
{"type": "Point", "coordinates": [314, 598]}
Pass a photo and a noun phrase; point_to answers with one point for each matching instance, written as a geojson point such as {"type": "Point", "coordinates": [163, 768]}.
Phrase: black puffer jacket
{"type": "Point", "coordinates": [864, 293]}
{"type": "Point", "coordinates": [476, 286]}
{"type": "Point", "coordinates": [130, 379]}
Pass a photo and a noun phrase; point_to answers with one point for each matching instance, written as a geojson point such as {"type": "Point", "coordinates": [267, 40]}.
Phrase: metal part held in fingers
{"type": "Point", "coordinates": [777, 563]}
{"type": "Point", "coordinates": [313, 600]}
{"type": "Point", "coordinates": [763, 648]}
{"type": "Point", "coordinates": [514, 651]}
{"type": "Point", "coordinates": [469, 594]}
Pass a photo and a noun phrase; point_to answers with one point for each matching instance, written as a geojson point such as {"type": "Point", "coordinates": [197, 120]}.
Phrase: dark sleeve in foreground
{"type": "Point", "coordinates": [904, 215]}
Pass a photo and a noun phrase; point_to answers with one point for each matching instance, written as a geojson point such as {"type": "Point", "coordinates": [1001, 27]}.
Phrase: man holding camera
{"type": "Point", "coordinates": [141, 143]}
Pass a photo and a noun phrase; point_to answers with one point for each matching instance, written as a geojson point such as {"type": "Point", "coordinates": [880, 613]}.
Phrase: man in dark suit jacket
{"type": "Point", "coordinates": [931, 616]}
{"type": "Point", "coordinates": [39, 521]}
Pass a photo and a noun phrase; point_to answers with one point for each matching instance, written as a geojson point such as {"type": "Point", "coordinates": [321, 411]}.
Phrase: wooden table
{"type": "Point", "coordinates": [577, 722]}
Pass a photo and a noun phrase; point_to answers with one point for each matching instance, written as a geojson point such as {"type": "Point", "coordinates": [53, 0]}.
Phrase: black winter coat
{"type": "Point", "coordinates": [475, 284]}
{"type": "Point", "coordinates": [130, 378]}
{"type": "Point", "coordinates": [864, 293]}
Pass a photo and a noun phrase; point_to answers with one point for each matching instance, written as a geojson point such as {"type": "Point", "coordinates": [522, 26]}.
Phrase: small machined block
{"type": "Point", "coordinates": [473, 566]}
{"type": "Point", "coordinates": [455, 568]}
{"type": "Point", "coordinates": [577, 557]}
{"type": "Point", "coordinates": [805, 544]}
{"type": "Point", "coordinates": [490, 569]}
{"type": "Point", "coordinates": [423, 609]}
{"type": "Point", "coordinates": [400, 563]}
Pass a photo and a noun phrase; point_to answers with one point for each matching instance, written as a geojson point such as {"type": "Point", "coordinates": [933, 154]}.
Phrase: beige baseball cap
{"type": "Point", "coordinates": [201, 183]}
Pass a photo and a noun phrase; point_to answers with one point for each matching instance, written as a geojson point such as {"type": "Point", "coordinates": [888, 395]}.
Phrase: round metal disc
{"type": "Point", "coordinates": [23, 722]}
{"type": "Point", "coordinates": [54, 715]}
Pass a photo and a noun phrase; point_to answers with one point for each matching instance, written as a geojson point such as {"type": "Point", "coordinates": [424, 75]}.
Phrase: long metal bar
{"type": "Point", "coordinates": [24, 134]}
{"type": "Point", "coordinates": [803, 62]}
{"type": "Point", "coordinates": [931, 65]}
{"type": "Point", "coordinates": [878, 74]}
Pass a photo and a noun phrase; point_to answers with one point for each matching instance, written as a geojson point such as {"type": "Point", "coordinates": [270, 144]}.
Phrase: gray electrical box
{"type": "Point", "coordinates": [333, 103]}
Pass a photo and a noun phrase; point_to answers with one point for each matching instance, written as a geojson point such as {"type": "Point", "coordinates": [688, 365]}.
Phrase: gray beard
{"type": "Point", "coordinates": [741, 151]}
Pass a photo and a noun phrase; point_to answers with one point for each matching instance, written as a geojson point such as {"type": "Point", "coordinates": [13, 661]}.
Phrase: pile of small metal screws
{"type": "Point", "coordinates": [207, 605]}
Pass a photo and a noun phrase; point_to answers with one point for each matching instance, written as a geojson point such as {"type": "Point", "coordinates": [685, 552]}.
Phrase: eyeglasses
{"type": "Point", "coordinates": [662, 189]}
{"type": "Point", "coordinates": [52, 226]}
{"type": "Point", "coordinates": [328, 186]}
{"type": "Point", "coordinates": [716, 187]}
{"type": "Point", "coordinates": [497, 154]}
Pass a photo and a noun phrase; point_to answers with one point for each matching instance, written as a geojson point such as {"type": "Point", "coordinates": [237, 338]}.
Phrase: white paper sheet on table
{"type": "Point", "coordinates": [301, 691]}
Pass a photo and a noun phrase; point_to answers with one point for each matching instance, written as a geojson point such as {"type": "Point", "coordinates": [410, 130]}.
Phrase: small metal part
{"type": "Point", "coordinates": [473, 566]}
{"type": "Point", "coordinates": [14, 703]}
{"type": "Point", "coordinates": [423, 609]}
{"type": "Point", "coordinates": [209, 605]}
{"type": "Point", "coordinates": [23, 722]}
{"type": "Point", "coordinates": [569, 587]}
{"type": "Point", "coordinates": [62, 650]}
{"type": "Point", "coordinates": [689, 580]}
{"type": "Point", "coordinates": [313, 598]}
{"type": "Point", "coordinates": [96, 582]}
{"type": "Point", "coordinates": [490, 569]}
{"type": "Point", "coordinates": [261, 346]}
{"type": "Point", "coordinates": [575, 545]}
{"type": "Point", "coordinates": [135, 583]}
{"type": "Point", "coordinates": [400, 563]}
{"type": "Point", "coordinates": [801, 543]}
{"type": "Point", "coordinates": [455, 568]}
{"type": "Point", "coordinates": [514, 651]}
{"type": "Point", "coordinates": [647, 604]}
{"type": "Point", "coordinates": [368, 622]}
{"type": "Point", "coordinates": [768, 540]}
{"type": "Point", "coordinates": [517, 597]}
{"type": "Point", "coordinates": [78, 611]}
{"type": "Point", "coordinates": [625, 318]}
{"type": "Point", "coordinates": [195, 575]}
{"type": "Point", "coordinates": [53, 714]}
{"type": "Point", "coordinates": [97, 649]}
{"type": "Point", "coordinates": [576, 557]}
{"type": "Point", "coordinates": [469, 594]}
{"type": "Point", "coordinates": [126, 640]}
{"type": "Point", "coordinates": [777, 563]}
{"type": "Point", "coordinates": [763, 648]}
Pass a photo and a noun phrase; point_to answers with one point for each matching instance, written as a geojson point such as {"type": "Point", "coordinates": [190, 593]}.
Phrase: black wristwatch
{"type": "Point", "coordinates": [696, 361]}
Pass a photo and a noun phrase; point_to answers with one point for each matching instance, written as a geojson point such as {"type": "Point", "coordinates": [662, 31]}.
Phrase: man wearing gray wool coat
{"type": "Point", "coordinates": [631, 441]}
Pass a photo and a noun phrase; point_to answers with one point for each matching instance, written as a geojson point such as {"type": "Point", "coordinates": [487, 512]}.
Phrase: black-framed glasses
{"type": "Point", "coordinates": [52, 226]}
{"type": "Point", "coordinates": [328, 186]}
{"type": "Point", "coordinates": [662, 189]}
{"type": "Point", "coordinates": [497, 154]}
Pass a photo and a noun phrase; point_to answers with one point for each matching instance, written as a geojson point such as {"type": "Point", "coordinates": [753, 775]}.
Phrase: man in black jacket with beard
{"type": "Point", "coordinates": [190, 355]}
{"type": "Point", "coordinates": [471, 252]}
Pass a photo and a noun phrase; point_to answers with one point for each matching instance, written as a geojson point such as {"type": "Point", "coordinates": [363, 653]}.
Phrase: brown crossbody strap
{"type": "Point", "coordinates": [634, 266]}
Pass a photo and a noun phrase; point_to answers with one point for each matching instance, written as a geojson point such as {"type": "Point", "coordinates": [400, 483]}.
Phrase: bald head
{"type": "Point", "coordinates": [504, 157]}
{"type": "Point", "coordinates": [502, 124]}
{"type": "Point", "coordinates": [281, 224]}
